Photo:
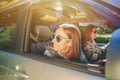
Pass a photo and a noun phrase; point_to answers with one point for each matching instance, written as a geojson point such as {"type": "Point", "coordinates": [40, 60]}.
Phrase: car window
{"type": "Point", "coordinates": [43, 18]}
{"type": "Point", "coordinates": [8, 22]}
{"type": "Point", "coordinates": [6, 34]}
{"type": "Point", "coordinates": [104, 35]}
{"type": "Point", "coordinates": [115, 3]}
{"type": "Point", "coordinates": [50, 18]}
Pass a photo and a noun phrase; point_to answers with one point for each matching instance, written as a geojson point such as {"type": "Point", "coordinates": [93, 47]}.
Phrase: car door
{"type": "Point", "coordinates": [5, 47]}
{"type": "Point", "coordinates": [4, 65]}
{"type": "Point", "coordinates": [32, 69]}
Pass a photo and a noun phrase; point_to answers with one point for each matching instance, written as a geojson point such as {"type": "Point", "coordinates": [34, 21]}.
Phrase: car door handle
{"type": "Point", "coordinates": [19, 72]}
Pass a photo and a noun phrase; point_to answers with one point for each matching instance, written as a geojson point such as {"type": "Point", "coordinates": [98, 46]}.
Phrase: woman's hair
{"type": "Point", "coordinates": [86, 35]}
{"type": "Point", "coordinates": [73, 33]}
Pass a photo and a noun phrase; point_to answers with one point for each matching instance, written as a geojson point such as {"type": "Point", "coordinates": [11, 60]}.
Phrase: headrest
{"type": "Point", "coordinates": [40, 33]}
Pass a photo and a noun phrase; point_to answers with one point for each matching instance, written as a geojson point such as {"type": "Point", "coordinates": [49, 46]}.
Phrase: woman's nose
{"type": "Point", "coordinates": [51, 43]}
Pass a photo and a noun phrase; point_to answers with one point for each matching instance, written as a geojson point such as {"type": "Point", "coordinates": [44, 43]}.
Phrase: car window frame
{"type": "Point", "coordinates": [91, 69]}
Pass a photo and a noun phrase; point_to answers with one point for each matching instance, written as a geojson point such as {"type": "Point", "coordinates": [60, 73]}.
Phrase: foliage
{"type": "Point", "coordinates": [102, 40]}
{"type": "Point", "coordinates": [104, 30]}
{"type": "Point", "coordinates": [6, 36]}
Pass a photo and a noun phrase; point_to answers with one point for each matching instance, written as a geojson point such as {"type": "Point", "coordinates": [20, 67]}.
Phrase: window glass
{"type": "Point", "coordinates": [104, 35]}
{"type": "Point", "coordinates": [116, 2]}
{"type": "Point", "coordinates": [8, 21]}
{"type": "Point", "coordinates": [6, 34]}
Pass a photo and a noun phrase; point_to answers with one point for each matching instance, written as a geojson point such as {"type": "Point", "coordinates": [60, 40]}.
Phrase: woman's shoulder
{"type": "Point", "coordinates": [88, 44]}
{"type": "Point", "coordinates": [53, 54]}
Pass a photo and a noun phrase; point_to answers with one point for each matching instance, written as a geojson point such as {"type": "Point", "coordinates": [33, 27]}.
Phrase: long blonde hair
{"type": "Point", "coordinates": [73, 33]}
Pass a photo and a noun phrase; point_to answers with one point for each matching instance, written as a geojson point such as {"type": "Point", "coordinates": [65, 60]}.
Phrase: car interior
{"type": "Point", "coordinates": [46, 19]}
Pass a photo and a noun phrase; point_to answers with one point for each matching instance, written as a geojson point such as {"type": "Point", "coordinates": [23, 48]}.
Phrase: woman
{"type": "Point", "coordinates": [66, 43]}
{"type": "Point", "coordinates": [90, 48]}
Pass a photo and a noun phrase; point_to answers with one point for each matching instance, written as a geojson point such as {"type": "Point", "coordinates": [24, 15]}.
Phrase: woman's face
{"type": "Point", "coordinates": [94, 33]}
{"type": "Point", "coordinates": [60, 41]}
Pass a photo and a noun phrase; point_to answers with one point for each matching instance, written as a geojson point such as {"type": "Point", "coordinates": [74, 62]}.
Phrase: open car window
{"type": "Point", "coordinates": [8, 21]}
{"type": "Point", "coordinates": [46, 18]}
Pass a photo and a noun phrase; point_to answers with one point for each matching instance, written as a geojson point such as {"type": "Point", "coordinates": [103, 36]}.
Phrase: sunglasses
{"type": "Point", "coordinates": [60, 38]}
{"type": "Point", "coordinates": [95, 32]}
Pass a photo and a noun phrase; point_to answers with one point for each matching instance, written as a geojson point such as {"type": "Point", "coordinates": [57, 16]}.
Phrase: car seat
{"type": "Point", "coordinates": [39, 35]}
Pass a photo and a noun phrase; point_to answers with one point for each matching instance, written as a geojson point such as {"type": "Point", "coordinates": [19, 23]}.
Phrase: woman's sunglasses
{"type": "Point", "coordinates": [95, 32]}
{"type": "Point", "coordinates": [60, 38]}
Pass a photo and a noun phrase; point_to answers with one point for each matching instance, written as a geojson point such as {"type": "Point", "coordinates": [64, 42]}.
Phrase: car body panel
{"type": "Point", "coordinates": [5, 60]}
{"type": "Point", "coordinates": [40, 70]}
